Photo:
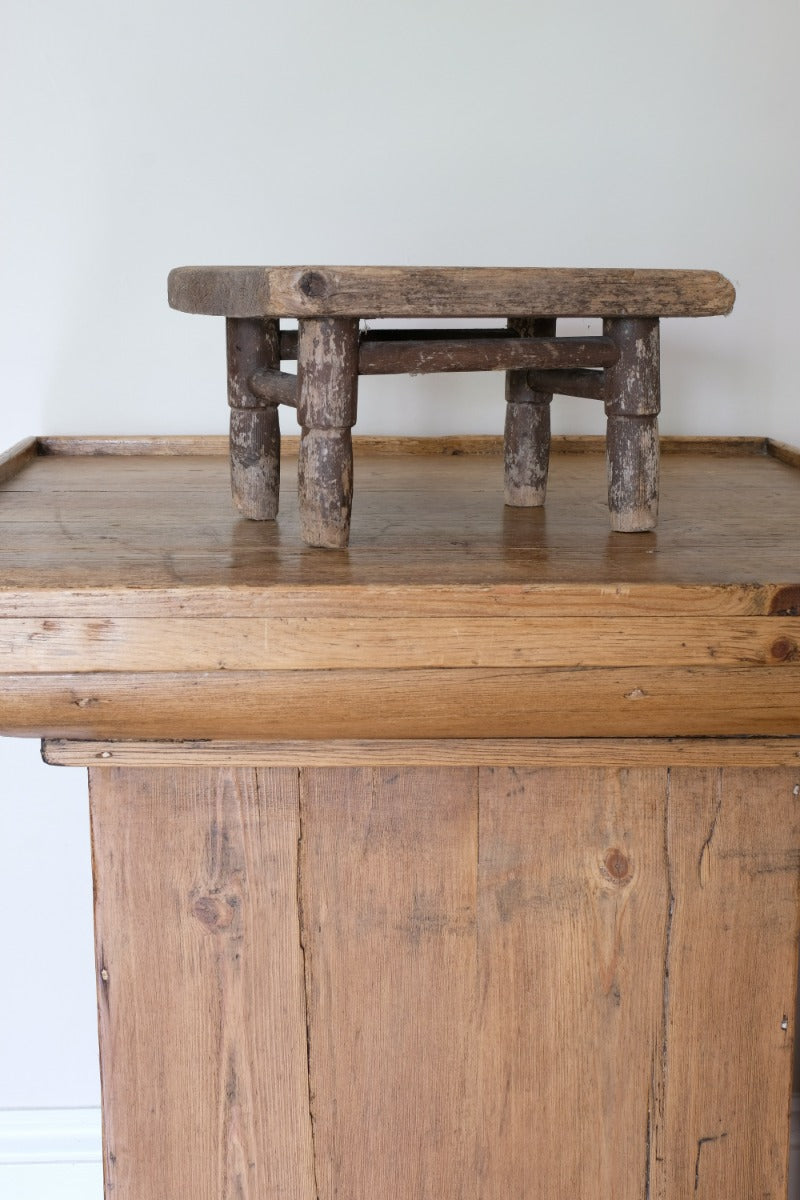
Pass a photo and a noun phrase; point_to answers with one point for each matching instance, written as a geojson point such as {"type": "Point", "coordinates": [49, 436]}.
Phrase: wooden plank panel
{"type": "Point", "coordinates": [723, 1129]}
{"type": "Point", "coordinates": [447, 292]}
{"type": "Point", "coordinates": [573, 920]}
{"type": "Point", "coordinates": [615, 752]}
{"type": "Point", "coordinates": [388, 870]}
{"type": "Point", "coordinates": [529, 702]}
{"type": "Point", "coordinates": [394, 600]}
{"type": "Point", "coordinates": [345, 643]}
{"type": "Point", "coordinates": [200, 985]}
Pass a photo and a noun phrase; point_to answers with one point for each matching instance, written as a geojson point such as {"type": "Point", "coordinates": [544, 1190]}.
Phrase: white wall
{"type": "Point", "coordinates": [141, 136]}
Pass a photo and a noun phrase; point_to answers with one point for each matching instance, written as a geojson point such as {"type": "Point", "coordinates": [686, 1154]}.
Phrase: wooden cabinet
{"type": "Point", "coordinates": [460, 863]}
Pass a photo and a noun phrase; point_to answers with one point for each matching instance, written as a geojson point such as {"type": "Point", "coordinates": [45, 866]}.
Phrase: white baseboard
{"type": "Point", "coordinates": [38, 1136]}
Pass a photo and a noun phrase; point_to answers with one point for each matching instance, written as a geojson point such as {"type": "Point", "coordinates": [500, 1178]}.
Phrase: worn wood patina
{"type": "Point", "coordinates": [620, 368]}
{"type": "Point", "coordinates": [415, 876]}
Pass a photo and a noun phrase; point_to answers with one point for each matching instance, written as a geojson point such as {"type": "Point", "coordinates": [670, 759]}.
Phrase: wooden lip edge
{"type": "Point", "coordinates": [216, 445]}
{"type": "Point", "coordinates": [14, 459]}
{"type": "Point", "coordinates": [783, 451]}
{"type": "Point", "coordinates": [468, 752]}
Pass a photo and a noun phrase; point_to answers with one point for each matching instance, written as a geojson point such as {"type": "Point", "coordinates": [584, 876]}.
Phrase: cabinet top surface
{"type": "Point", "coordinates": [89, 527]}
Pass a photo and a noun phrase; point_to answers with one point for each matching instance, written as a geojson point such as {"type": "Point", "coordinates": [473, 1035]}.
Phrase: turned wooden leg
{"type": "Point", "coordinates": [526, 443]}
{"type": "Point", "coordinates": [255, 436]}
{"type": "Point", "coordinates": [632, 446]}
{"type": "Point", "coordinates": [327, 377]}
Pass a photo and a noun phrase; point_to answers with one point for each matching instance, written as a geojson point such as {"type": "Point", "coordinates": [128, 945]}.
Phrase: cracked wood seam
{"type": "Point", "coordinates": [446, 981]}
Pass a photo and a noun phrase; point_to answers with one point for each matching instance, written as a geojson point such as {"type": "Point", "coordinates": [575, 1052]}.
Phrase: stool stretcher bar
{"type": "Point", "coordinates": [620, 368]}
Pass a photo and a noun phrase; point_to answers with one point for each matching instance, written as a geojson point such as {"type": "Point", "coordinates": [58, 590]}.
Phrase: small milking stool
{"type": "Point", "coordinates": [620, 368]}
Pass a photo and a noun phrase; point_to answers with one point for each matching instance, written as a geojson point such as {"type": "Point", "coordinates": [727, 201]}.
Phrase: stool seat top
{"type": "Point", "coordinates": [324, 291]}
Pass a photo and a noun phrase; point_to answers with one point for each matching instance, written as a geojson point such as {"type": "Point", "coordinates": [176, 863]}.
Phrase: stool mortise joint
{"type": "Point", "coordinates": [526, 441]}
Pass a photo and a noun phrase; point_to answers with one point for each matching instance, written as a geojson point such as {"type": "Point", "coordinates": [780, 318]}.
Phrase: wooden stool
{"type": "Point", "coordinates": [621, 368]}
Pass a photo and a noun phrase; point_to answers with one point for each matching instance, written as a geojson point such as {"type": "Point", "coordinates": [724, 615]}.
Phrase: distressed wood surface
{"type": "Point", "coordinates": [502, 702]}
{"type": "Point", "coordinates": [388, 863]}
{"type": "Point", "coordinates": [271, 387]}
{"type": "Point", "coordinates": [447, 980]}
{"type": "Point", "coordinates": [633, 402]}
{"type": "Point", "coordinates": [153, 535]}
{"type": "Point", "coordinates": [327, 393]}
{"type": "Point", "coordinates": [730, 1002]}
{"type": "Point", "coordinates": [14, 459]}
{"type": "Point", "coordinates": [205, 445]}
{"type": "Point", "coordinates": [425, 356]}
{"type": "Point", "coordinates": [572, 929]}
{"type": "Point", "coordinates": [447, 292]}
{"type": "Point", "coordinates": [518, 752]}
{"type": "Point", "coordinates": [590, 385]}
{"type": "Point", "coordinates": [147, 609]}
{"type": "Point", "coordinates": [642, 976]}
{"type": "Point", "coordinates": [255, 435]}
{"type": "Point", "coordinates": [345, 643]}
{"type": "Point", "coordinates": [526, 437]}
{"type": "Point", "coordinates": [200, 985]}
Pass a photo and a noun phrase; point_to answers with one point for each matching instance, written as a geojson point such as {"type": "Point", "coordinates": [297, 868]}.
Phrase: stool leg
{"type": "Point", "coordinates": [327, 390]}
{"type": "Point", "coordinates": [255, 436]}
{"type": "Point", "coordinates": [526, 442]}
{"type": "Point", "coordinates": [632, 447]}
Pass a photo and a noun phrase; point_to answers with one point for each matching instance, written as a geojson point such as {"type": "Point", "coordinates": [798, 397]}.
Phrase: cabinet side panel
{"type": "Point", "coordinates": [200, 984]}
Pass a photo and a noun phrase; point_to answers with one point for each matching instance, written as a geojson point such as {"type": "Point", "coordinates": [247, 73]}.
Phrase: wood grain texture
{"type": "Point", "coordinates": [573, 922]}
{"type": "Point", "coordinates": [104, 537]}
{"type": "Point", "coordinates": [578, 976]}
{"type": "Point", "coordinates": [783, 452]}
{"type": "Point", "coordinates": [429, 355]}
{"type": "Point", "coordinates": [388, 863]}
{"type": "Point", "coordinates": [446, 292]}
{"type": "Point", "coordinates": [526, 435]}
{"type": "Point", "coordinates": [350, 643]}
{"type": "Point", "coordinates": [590, 385]}
{"type": "Point", "coordinates": [518, 752]}
{"type": "Point", "coordinates": [720, 1126]}
{"type": "Point", "coordinates": [632, 407]}
{"type": "Point", "coordinates": [209, 445]}
{"type": "Point", "coordinates": [255, 435]}
{"type": "Point", "coordinates": [639, 940]}
{"type": "Point", "coordinates": [525, 702]}
{"type": "Point", "coordinates": [577, 632]}
{"type": "Point", "coordinates": [327, 395]}
{"type": "Point", "coordinates": [14, 459]}
{"type": "Point", "coordinates": [270, 387]}
{"type": "Point", "coordinates": [200, 985]}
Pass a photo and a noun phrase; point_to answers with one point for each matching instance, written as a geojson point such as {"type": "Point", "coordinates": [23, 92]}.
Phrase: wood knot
{"type": "Point", "coordinates": [617, 866]}
{"type": "Point", "coordinates": [786, 602]}
{"type": "Point", "coordinates": [215, 912]}
{"type": "Point", "coordinates": [783, 649]}
{"type": "Point", "coordinates": [314, 285]}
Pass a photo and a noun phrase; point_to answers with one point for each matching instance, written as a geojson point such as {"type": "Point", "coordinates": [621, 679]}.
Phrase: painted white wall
{"type": "Point", "coordinates": [141, 136]}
